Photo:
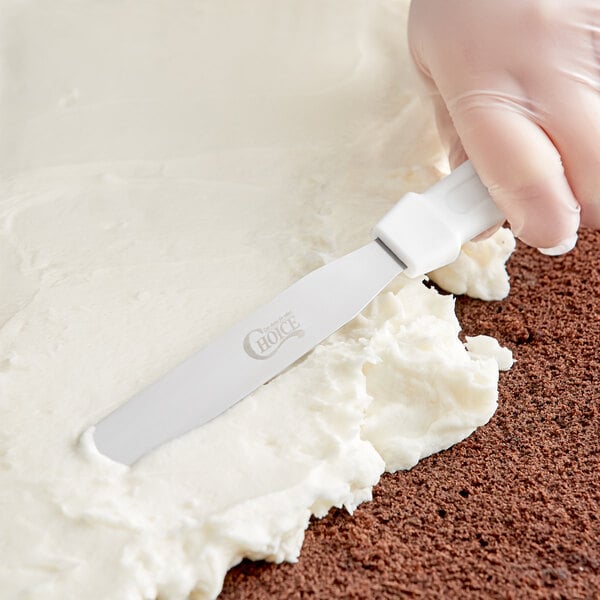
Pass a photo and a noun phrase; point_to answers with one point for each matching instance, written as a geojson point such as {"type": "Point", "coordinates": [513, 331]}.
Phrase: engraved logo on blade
{"type": "Point", "coordinates": [263, 342]}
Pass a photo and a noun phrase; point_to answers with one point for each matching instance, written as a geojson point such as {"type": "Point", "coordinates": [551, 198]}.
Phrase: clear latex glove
{"type": "Point", "coordinates": [516, 87]}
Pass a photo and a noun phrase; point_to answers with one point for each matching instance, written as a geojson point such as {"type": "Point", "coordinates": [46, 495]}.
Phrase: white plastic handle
{"type": "Point", "coordinates": [426, 231]}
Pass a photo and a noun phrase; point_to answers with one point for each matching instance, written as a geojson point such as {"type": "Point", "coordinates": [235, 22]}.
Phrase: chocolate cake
{"type": "Point", "coordinates": [513, 511]}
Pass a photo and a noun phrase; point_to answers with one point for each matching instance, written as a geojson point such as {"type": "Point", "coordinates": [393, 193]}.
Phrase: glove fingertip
{"type": "Point", "coordinates": [561, 248]}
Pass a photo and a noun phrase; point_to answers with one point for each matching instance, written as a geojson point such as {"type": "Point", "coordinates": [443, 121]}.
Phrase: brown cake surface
{"type": "Point", "coordinates": [513, 511]}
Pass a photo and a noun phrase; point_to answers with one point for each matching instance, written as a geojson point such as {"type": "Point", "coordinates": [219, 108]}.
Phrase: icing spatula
{"type": "Point", "coordinates": [422, 232]}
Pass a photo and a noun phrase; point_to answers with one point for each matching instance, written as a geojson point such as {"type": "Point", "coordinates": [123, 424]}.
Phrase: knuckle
{"type": "Point", "coordinates": [478, 103]}
{"type": "Point", "coordinates": [533, 189]}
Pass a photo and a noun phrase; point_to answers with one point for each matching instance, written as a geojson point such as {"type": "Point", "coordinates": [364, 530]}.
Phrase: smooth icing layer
{"type": "Point", "coordinates": [165, 168]}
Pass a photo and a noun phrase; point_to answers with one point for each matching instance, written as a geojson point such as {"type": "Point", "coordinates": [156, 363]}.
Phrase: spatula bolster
{"type": "Point", "coordinates": [426, 231]}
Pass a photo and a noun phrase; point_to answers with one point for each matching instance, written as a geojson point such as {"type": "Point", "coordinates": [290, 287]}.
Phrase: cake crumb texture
{"type": "Point", "coordinates": [513, 511]}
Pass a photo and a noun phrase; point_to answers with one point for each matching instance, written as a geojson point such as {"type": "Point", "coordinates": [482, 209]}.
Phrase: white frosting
{"type": "Point", "coordinates": [488, 347]}
{"type": "Point", "coordinates": [475, 271]}
{"type": "Point", "coordinates": [165, 168]}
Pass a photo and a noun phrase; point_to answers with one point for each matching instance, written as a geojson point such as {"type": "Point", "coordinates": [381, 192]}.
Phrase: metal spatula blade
{"type": "Point", "coordinates": [251, 353]}
{"type": "Point", "coordinates": [421, 233]}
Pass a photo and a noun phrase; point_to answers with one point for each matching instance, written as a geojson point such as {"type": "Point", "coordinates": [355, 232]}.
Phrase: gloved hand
{"type": "Point", "coordinates": [516, 87]}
